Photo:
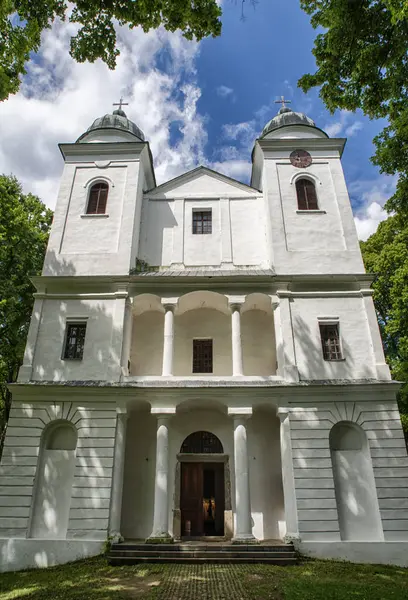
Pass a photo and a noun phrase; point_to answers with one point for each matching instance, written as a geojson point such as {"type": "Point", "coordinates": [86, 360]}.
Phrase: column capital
{"type": "Point", "coordinates": [163, 413]}
{"type": "Point", "coordinates": [274, 301]}
{"type": "Point", "coordinates": [169, 304]}
{"type": "Point", "coordinates": [235, 302]}
{"type": "Point", "coordinates": [240, 412]}
{"type": "Point", "coordinates": [121, 408]}
{"type": "Point", "coordinates": [282, 413]}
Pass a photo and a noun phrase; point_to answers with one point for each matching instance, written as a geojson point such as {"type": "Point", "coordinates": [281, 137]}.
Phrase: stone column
{"type": "Point", "coordinates": [127, 338]}
{"type": "Point", "coordinates": [243, 531]}
{"type": "Point", "coordinates": [237, 367]}
{"type": "Point", "coordinates": [168, 343]}
{"type": "Point", "coordinates": [117, 474]}
{"type": "Point", "coordinates": [288, 477]}
{"type": "Point", "coordinates": [161, 503]}
{"type": "Point", "coordinates": [285, 344]}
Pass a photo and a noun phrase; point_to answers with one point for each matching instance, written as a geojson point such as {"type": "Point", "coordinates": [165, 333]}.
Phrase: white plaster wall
{"type": "Point", "coordinates": [157, 232]}
{"type": "Point", "coordinates": [146, 356]}
{"type": "Point", "coordinates": [203, 323]}
{"type": "Point", "coordinates": [53, 494]}
{"type": "Point", "coordinates": [318, 243]}
{"type": "Point", "coordinates": [356, 341]}
{"type": "Point", "coordinates": [258, 343]}
{"type": "Point", "coordinates": [102, 349]}
{"type": "Point", "coordinates": [310, 424]}
{"type": "Point", "coordinates": [248, 232]}
{"type": "Point", "coordinates": [95, 245]}
{"type": "Point", "coordinates": [202, 249]}
{"type": "Point", "coordinates": [267, 506]}
{"type": "Point", "coordinates": [380, 553]}
{"type": "Point", "coordinates": [91, 487]}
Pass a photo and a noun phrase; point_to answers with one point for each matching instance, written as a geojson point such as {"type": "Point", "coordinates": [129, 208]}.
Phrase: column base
{"type": "Point", "coordinates": [245, 539]}
{"type": "Point", "coordinates": [164, 538]}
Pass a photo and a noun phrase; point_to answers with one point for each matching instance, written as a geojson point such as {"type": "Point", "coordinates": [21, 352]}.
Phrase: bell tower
{"type": "Point", "coordinates": [310, 222]}
{"type": "Point", "coordinates": [97, 216]}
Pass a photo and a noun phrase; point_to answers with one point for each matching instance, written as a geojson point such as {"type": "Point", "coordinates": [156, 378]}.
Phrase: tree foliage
{"type": "Point", "coordinates": [362, 62]}
{"type": "Point", "coordinates": [23, 21]}
{"type": "Point", "coordinates": [385, 253]}
{"type": "Point", "coordinates": [24, 226]}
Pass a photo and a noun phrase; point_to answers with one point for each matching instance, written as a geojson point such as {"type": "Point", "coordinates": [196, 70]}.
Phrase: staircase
{"type": "Point", "coordinates": [131, 553]}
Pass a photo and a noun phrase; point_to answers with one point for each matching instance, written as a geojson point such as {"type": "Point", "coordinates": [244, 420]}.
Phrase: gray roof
{"type": "Point", "coordinates": [287, 117]}
{"type": "Point", "coordinates": [116, 120]}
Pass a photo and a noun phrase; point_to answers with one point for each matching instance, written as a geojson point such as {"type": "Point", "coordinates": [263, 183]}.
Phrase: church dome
{"type": "Point", "coordinates": [117, 121]}
{"type": "Point", "coordinates": [286, 117]}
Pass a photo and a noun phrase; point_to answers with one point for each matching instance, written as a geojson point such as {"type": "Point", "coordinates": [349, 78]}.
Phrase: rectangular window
{"type": "Point", "coordinates": [202, 356]}
{"type": "Point", "coordinates": [74, 341]}
{"type": "Point", "coordinates": [202, 221]}
{"type": "Point", "coordinates": [329, 333]}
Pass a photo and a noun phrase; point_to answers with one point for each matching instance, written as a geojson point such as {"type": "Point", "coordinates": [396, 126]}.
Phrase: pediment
{"type": "Point", "coordinates": [202, 183]}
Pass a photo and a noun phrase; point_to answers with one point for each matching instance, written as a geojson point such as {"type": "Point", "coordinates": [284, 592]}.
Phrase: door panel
{"type": "Point", "coordinates": [191, 502]}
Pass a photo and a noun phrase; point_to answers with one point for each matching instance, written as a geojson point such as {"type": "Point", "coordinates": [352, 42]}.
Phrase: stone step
{"type": "Point", "coordinates": [198, 554]}
{"type": "Point", "coordinates": [132, 560]}
{"type": "Point", "coordinates": [202, 547]}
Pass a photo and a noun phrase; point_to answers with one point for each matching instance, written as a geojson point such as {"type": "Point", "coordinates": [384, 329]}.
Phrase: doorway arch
{"type": "Point", "coordinates": [202, 500]}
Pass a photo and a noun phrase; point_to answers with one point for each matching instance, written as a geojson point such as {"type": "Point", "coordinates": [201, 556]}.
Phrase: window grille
{"type": "Point", "coordinates": [201, 442]}
{"type": "Point", "coordinates": [202, 221]}
{"type": "Point", "coordinates": [98, 197]}
{"type": "Point", "coordinates": [306, 194]}
{"type": "Point", "coordinates": [330, 337]}
{"type": "Point", "coordinates": [202, 356]}
{"type": "Point", "coordinates": [74, 341]}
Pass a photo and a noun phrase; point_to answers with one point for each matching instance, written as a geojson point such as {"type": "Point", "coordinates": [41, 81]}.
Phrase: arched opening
{"type": "Point", "coordinates": [306, 194]}
{"type": "Point", "coordinates": [202, 485]}
{"type": "Point", "coordinates": [53, 485]}
{"type": "Point", "coordinates": [356, 496]}
{"type": "Point", "coordinates": [98, 197]}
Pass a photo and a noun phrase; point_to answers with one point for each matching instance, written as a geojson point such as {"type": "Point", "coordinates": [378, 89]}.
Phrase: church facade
{"type": "Point", "coordinates": [203, 360]}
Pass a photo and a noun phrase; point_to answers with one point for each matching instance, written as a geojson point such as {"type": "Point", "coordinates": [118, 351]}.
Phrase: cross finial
{"type": "Point", "coordinates": [121, 103]}
{"type": "Point", "coordinates": [283, 101]}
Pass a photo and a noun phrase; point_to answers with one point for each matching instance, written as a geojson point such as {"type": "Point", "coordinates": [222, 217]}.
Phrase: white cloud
{"type": "Point", "coordinates": [370, 197]}
{"type": "Point", "coordinates": [223, 91]}
{"type": "Point", "coordinates": [60, 99]}
{"type": "Point", "coordinates": [343, 125]}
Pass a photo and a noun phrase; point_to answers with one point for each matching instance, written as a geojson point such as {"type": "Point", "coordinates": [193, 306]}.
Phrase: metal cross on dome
{"type": "Point", "coordinates": [121, 103]}
{"type": "Point", "coordinates": [283, 101]}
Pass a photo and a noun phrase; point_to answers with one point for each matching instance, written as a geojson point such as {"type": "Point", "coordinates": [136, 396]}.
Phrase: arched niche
{"type": "Point", "coordinates": [201, 442]}
{"type": "Point", "coordinates": [356, 496]}
{"type": "Point", "coordinates": [54, 479]}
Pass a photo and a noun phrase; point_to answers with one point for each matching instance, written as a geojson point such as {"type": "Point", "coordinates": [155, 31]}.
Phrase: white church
{"type": "Point", "coordinates": [203, 362]}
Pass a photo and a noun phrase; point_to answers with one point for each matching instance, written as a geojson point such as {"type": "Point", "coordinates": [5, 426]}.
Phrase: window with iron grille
{"type": "Point", "coordinates": [329, 333]}
{"type": "Point", "coordinates": [74, 341]}
{"type": "Point", "coordinates": [98, 197]}
{"type": "Point", "coordinates": [201, 442]}
{"type": "Point", "coordinates": [202, 356]}
{"type": "Point", "coordinates": [306, 195]}
{"type": "Point", "coordinates": [202, 221]}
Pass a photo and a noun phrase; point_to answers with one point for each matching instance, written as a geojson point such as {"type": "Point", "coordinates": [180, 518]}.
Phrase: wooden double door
{"type": "Point", "coordinates": [202, 499]}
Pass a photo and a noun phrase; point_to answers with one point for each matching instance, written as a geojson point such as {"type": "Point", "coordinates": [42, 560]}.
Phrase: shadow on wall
{"type": "Point", "coordinates": [55, 265]}
{"type": "Point", "coordinates": [308, 346]}
{"type": "Point", "coordinates": [157, 243]}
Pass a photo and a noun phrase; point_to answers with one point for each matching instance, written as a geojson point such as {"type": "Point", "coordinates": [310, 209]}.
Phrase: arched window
{"type": "Point", "coordinates": [201, 442]}
{"type": "Point", "coordinates": [354, 484]}
{"type": "Point", "coordinates": [54, 479]}
{"type": "Point", "coordinates": [306, 194]}
{"type": "Point", "coordinates": [98, 196]}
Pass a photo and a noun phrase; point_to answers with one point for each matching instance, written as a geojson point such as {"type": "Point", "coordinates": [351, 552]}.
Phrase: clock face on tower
{"type": "Point", "coordinates": [300, 158]}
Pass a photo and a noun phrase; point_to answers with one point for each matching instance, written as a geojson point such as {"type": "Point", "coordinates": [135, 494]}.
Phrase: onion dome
{"type": "Point", "coordinates": [116, 121]}
{"type": "Point", "coordinates": [286, 117]}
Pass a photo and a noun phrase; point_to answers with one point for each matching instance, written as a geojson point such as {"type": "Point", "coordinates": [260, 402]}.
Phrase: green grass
{"type": "Point", "coordinates": [93, 579]}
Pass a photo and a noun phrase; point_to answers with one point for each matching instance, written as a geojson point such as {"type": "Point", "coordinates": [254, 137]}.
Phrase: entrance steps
{"type": "Point", "coordinates": [126, 553]}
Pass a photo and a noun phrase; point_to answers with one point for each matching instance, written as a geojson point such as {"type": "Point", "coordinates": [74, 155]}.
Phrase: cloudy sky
{"type": "Point", "coordinates": [196, 103]}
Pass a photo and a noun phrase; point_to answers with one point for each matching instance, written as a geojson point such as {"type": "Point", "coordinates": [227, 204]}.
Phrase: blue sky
{"type": "Point", "coordinates": [197, 103]}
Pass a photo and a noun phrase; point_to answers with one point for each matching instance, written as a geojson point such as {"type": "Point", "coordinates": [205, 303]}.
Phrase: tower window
{"type": "Point", "coordinates": [306, 195]}
{"type": "Point", "coordinates": [98, 197]}
{"type": "Point", "coordinates": [330, 337]}
{"type": "Point", "coordinates": [74, 341]}
{"type": "Point", "coordinates": [202, 356]}
{"type": "Point", "coordinates": [202, 221]}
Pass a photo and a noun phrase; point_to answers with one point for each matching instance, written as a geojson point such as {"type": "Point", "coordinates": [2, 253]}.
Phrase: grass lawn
{"type": "Point", "coordinates": [93, 579]}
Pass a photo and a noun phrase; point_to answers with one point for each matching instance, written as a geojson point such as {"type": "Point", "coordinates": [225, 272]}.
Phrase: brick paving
{"type": "Point", "coordinates": [201, 582]}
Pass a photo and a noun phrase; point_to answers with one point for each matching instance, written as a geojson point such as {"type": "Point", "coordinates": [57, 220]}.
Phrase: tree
{"type": "Point", "coordinates": [23, 21]}
{"type": "Point", "coordinates": [385, 253]}
{"type": "Point", "coordinates": [24, 226]}
{"type": "Point", "coordinates": [362, 62]}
